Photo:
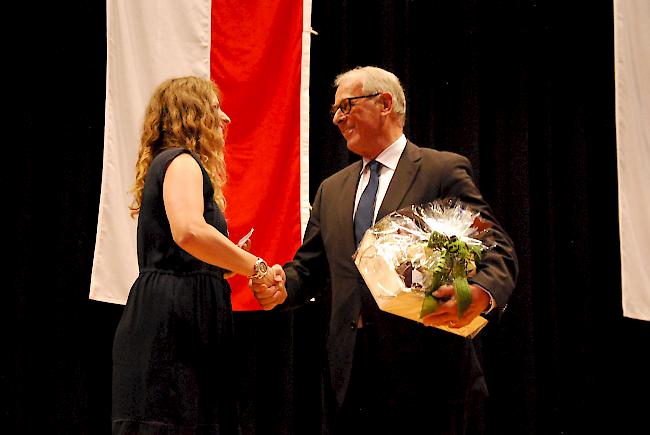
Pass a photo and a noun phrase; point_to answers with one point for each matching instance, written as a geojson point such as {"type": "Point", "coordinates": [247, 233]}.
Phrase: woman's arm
{"type": "Point", "coordinates": [183, 198]}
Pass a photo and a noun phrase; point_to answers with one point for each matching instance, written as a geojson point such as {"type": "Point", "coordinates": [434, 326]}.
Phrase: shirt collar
{"type": "Point", "coordinates": [390, 156]}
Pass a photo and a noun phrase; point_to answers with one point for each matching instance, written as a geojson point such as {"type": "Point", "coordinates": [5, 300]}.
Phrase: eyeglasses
{"type": "Point", "coordinates": [345, 106]}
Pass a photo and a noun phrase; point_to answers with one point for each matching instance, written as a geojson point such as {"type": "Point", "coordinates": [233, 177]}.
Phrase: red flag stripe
{"type": "Point", "coordinates": [256, 56]}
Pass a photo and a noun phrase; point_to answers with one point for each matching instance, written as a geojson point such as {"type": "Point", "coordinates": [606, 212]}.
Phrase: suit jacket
{"type": "Point", "coordinates": [422, 175]}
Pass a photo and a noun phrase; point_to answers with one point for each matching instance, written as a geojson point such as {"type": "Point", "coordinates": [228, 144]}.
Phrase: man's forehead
{"type": "Point", "coordinates": [350, 88]}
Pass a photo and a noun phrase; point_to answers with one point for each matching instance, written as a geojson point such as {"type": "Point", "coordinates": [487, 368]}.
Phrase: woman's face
{"type": "Point", "coordinates": [220, 114]}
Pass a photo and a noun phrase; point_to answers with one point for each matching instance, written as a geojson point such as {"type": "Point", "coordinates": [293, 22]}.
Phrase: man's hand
{"type": "Point", "coordinates": [447, 312]}
{"type": "Point", "coordinates": [270, 291]}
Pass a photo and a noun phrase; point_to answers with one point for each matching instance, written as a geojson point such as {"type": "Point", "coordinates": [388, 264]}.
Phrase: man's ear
{"type": "Point", "coordinates": [386, 102]}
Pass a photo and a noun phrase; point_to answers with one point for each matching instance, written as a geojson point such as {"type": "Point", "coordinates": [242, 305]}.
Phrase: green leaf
{"type": "Point", "coordinates": [430, 305]}
{"type": "Point", "coordinates": [476, 250]}
{"type": "Point", "coordinates": [458, 269]}
{"type": "Point", "coordinates": [438, 272]}
{"type": "Point", "coordinates": [437, 240]}
{"type": "Point", "coordinates": [463, 294]}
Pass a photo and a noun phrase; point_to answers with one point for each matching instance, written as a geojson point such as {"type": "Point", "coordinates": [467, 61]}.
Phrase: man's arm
{"type": "Point", "coordinates": [302, 278]}
{"type": "Point", "coordinates": [307, 273]}
{"type": "Point", "coordinates": [498, 268]}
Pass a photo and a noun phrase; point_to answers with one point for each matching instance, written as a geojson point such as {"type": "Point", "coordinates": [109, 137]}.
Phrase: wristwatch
{"type": "Point", "coordinates": [260, 269]}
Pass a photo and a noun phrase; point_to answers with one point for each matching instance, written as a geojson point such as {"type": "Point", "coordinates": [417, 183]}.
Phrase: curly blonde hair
{"type": "Point", "coordinates": [181, 114]}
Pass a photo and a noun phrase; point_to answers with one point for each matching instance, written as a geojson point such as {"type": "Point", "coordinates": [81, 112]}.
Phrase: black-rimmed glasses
{"type": "Point", "coordinates": [345, 106]}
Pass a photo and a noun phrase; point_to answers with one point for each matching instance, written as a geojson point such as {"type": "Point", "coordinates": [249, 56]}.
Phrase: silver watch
{"type": "Point", "coordinates": [260, 269]}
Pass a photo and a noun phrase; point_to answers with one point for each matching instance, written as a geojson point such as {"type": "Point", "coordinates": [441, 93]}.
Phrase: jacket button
{"type": "Point", "coordinates": [353, 325]}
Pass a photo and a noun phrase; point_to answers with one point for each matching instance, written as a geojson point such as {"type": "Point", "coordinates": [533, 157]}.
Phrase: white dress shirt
{"type": "Point", "coordinates": [388, 159]}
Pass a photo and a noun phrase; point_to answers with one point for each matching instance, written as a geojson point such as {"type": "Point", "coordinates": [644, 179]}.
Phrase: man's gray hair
{"type": "Point", "coordinates": [375, 79]}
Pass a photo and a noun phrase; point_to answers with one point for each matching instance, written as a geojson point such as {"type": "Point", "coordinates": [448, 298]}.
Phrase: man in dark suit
{"type": "Point", "coordinates": [389, 374]}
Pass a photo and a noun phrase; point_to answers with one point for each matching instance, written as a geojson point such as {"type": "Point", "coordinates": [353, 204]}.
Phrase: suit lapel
{"type": "Point", "coordinates": [345, 205]}
{"type": "Point", "coordinates": [407, 168]}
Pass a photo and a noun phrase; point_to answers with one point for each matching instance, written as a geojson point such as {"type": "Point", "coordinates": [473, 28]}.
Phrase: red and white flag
{"type": "Point", "coordinates": [632, 72]}
{"type": "Point", "coordinates": [257, 51]}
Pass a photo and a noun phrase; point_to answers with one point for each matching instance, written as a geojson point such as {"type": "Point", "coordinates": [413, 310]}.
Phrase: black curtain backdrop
{"type": "Point", "coordinates": [523, 88]}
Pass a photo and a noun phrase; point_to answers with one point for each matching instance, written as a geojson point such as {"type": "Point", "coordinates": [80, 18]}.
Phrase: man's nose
{"type": "Point", "coordinates": [338, 117]}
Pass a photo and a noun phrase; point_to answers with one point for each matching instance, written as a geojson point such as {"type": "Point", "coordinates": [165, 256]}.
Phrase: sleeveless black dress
{"type": "Point", "coordinates": [172, 350]}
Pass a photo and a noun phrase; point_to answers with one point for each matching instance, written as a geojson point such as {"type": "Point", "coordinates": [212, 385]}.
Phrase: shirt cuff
{"type": "Point", "coordinates": [492, 305]}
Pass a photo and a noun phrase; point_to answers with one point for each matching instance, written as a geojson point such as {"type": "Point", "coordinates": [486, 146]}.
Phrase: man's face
{"type": "Point", "coordinates": [362, 126]}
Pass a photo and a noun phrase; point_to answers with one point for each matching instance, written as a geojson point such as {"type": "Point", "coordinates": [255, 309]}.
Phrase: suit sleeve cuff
{"type": "Point", "coordinates": [493, 303]}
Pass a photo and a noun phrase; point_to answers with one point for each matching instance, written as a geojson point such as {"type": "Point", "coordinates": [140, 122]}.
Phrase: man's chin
{"type": "Point", "coordinates": [353, 148]}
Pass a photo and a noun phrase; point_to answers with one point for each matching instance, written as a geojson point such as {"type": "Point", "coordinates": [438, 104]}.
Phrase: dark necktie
{"type": "Point", "coordinates": [366, 207]}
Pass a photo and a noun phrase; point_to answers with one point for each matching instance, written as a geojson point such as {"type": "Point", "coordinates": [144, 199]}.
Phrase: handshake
{"type": "Point", "coordinates": [270, 290]}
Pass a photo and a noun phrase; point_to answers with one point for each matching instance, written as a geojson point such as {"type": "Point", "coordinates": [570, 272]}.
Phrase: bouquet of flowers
{"type": "Point", "coordinates": [408, 254]}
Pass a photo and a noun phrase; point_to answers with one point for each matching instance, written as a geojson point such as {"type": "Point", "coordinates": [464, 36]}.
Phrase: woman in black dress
{"type": "Point", "coordinates": [172, 351]}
